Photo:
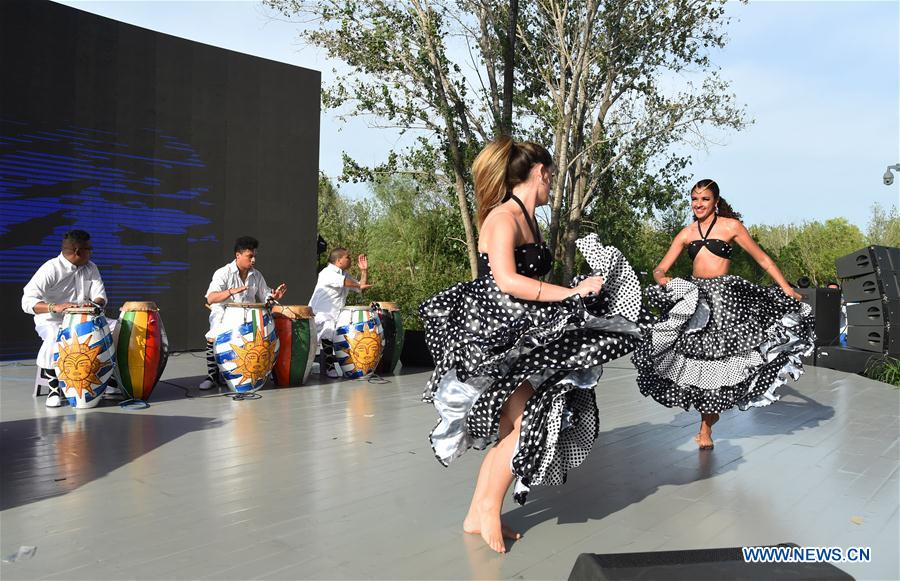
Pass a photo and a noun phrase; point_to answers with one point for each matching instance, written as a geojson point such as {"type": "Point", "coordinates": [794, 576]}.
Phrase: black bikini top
{"type": "Point", "coordinates": [714, 245]}
{"type": "Point", "coordinates": [532, 260]}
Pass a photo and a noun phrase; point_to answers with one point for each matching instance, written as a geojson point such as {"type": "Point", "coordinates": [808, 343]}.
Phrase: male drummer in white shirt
{"type": "Point", "coordinates": [330, 296]}
{"type": "Point", "coordinates": [236, 282]}
{"type": "Point", "coordinates": [68, 280]}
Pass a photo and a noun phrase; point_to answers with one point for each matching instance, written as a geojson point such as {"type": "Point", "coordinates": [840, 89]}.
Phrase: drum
{"type": "Point", "coordinates": [392, 323]}
{"type": "Point", "coordinates": [246, 346]}
{"type": "Point", "coordinates": [295, 326]}
{"type": "Point", "coordinates": [358, 341]}
{"type": "Point", "coordinates": [142, 348]}
{"type": "Point", "coordinates": [85, 356]}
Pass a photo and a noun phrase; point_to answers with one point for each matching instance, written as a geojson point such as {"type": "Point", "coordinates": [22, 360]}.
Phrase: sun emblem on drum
{"type": "Point", "coordinates": [78, 365]}
{"type": "Point", "coordinates": [254, 360]}
{"type": "Point", "coordinates": [365, 350]}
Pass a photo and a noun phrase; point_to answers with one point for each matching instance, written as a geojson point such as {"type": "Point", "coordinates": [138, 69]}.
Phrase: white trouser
{"type": "Point", "coordinates": [325, 326]}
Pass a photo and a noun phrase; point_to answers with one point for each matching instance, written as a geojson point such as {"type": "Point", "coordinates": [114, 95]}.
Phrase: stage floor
{"type": "Point", "coordinates": [336, 480]}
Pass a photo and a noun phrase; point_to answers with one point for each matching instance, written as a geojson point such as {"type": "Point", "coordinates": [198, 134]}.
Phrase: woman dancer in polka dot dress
{"type": "Point", "coordinates": [722, 341]}
{"type": "Point", "coordinates": [517, 358]}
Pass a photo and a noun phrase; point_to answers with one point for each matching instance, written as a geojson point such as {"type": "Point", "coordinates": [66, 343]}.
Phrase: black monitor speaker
{"type": "Point", "coordinates": [826, 308]}
{"type": "Point", "coordinates": [846, 359]}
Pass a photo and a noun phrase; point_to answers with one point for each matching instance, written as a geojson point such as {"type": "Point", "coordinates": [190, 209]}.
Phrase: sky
{"type": "Point", "coordinates": [820, 79]}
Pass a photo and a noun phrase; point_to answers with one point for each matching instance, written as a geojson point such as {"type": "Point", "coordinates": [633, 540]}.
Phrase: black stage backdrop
{"type": "Point", "coordinates": [164, 149]}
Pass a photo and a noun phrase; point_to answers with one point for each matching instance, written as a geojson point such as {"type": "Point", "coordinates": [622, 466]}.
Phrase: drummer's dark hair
{"type": "Point", "coordinates": [76, 238]}
{"type": "Point", "coordinates": [337, 253]}
{"type": "Point", "coordinates": [246, 243]}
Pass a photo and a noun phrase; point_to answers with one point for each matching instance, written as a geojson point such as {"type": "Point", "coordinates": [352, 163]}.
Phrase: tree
{"type": "Point", "coordinates": [884, 226]}
{"type": "Point", "coordinates": [412, 236]}
{"type": "Point", "coordinates": [342, 222]}
{"type": "Point", "coordinates": [606, 66]}
{"type": "Point", "coordinates": [774, 239]}
{"type": "Point", "coordinates": [594, 80]}
{"type": "Point", "coordinates": [401, 75]}
{"type": "Point", "coordinates": [816, 246]}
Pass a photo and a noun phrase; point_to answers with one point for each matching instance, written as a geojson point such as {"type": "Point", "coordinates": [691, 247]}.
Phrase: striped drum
{"type": "Point", "coordinates": [142, 347]}
{"type": "Point", "coordinates": [358, 341]}
{"type": "Point", "coordinates": [246, 346]}
{"type": "Point", "coordinates": [296, 329]}
{"type": "Point", "coordinates": [392, 323]}
{"type": "Point", "coordinates": [85, 356]}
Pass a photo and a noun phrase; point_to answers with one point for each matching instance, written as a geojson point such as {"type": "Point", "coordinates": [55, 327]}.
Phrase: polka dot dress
{"type": "Point", "coordinates": [721, 342]}
{"type": "Point", "coordinates": [485, 343]}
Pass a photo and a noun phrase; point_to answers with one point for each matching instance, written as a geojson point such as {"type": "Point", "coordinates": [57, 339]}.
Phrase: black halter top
{"type": "Point", "coordinates": [532, 260]}
{"type": "Point", "coordinates": [714, 245]}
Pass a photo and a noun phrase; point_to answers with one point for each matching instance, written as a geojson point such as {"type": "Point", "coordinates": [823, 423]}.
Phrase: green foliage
{"type": "Point", "coordinates": [593, 83]}
{"type": "Point", "coordinates": [886, 370]}
{"type": "Point", "coordinates": [884, 226]}
{"type": "Point", "coordinates": [413, 238]}
{"type": "Point", "coordinates": [815, 247]}
{"type": "Point", "coordinates": [342, 222]}
{"type": "Point", "coordinates": [416, 246]}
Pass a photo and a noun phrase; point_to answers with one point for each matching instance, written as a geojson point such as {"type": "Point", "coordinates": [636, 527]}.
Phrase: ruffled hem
{"type": "Point", "coordinates": [757, 391]}
{"type": "Point", "coordinates": [486, 344]}
{"type": "Point", "coordinates": [674, 378]}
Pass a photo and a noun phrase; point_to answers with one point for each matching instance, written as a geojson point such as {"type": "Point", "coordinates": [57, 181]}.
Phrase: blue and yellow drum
{"type": "Point", "coordinates": [247, 347]}
{"type": "Point", "coordinates": [358, 341]}
{"type": "Point", "coordinates": [85, 357]}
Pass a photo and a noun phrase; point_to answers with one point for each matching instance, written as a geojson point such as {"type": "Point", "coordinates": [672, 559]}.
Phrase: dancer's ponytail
{"type": "Point", "coordinates": [725, 210]}
{"type": "Point", "coordinates": [489, 173]}
{"type": "Point", "coordinates": [502, 165]}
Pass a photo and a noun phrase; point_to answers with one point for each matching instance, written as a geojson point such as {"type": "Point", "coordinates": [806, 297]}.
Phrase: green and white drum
{"type": "Point", "coordinates": [296, 329]}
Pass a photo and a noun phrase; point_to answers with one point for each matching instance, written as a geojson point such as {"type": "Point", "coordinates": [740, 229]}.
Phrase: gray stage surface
{"type": "Point", "coordinates": [337, 480]}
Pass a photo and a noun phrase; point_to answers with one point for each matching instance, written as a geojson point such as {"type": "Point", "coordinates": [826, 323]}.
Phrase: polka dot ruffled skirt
{"type": "Point", "coordinates": [722, 342]}
{"type": "Point", "coordinates": [485, 343]}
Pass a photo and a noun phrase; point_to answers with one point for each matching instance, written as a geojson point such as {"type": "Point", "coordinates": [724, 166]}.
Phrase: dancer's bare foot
{"type": "Point", "coordinates": [491, 528]}
{"type": "Point", "coordinates": [704, 441]}
{"type": "Point", "coordinates": [704, 438]}
{"type": "Point", "coordinates": [472, 526]}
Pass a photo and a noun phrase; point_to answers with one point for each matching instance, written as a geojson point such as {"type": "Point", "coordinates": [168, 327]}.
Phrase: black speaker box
{"type": "Point", "coordinates": [696, 564]}
{"type": "Point", "coordinates": [845, 358]}
{"type": "Point", "coordinates": [826, 307]}
{"type": "Point", "coordinates": [873, 313]}
{"type": "Point", "coordinates": [868, 259]}
{"type": "Point", "coordinates": [879, 339]}
{"type": "Point", "coordinates": [415, 350]}
{"type": "Point", "coordinates": [870, 287]}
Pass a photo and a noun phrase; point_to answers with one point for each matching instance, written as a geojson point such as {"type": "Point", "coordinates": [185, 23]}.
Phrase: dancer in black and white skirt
{"type": "Point", "coordinates": [722, 341]}
{"type": "Point", "coordinates": [517, 358]}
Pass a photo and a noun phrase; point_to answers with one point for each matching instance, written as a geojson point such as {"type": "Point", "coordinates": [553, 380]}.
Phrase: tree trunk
{"type": "Point", "coordinates": [471, 242]}
{"type": "Point", "coordinates": [509, 62]}
{"type": "Point", "coordinates": [571, 234]}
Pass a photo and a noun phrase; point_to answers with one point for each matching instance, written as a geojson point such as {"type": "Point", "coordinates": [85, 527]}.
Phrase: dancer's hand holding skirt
{"type": "Point", "coordinates": [486, 343]}
{"type": "Point", "coordinates": [722, 342]}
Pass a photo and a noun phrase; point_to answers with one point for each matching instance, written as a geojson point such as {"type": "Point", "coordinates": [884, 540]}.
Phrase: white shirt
{"type": "Point", "coordinates": [60, 281]}
{"type": "Point", "coordinates": [229, 277]}
{"type": "Point", "coordinates": [330, 294]}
